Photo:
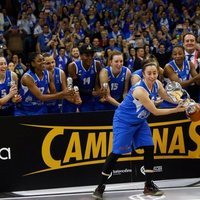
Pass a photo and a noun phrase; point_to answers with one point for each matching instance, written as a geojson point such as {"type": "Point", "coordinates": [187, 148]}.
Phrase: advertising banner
{"type": "Point", "coordinates": [67, 150]}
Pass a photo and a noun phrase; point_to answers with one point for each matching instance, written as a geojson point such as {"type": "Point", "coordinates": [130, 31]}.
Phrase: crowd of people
{"type": "Point", "coordinates": [100, 44]}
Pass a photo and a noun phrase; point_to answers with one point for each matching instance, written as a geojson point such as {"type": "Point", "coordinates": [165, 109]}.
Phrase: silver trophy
{"type": "Point", "coordinates": [177, 93]}
{"type": "Point", "coordinates": [181, 96]}
{"type": "Point", "coordinates": [70, 83]}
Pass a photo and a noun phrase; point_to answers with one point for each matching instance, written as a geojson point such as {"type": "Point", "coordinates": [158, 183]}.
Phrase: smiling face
{"type": "Point", "coordinates": [189, 43]}
{"type": "Point", "coordinates": [3, 65]}
{"type": "Point", "coordinates": [150, 73]}
{"type": "Point", "coordinates": [116, 63]}
{"type": "Point", "coordinates": [38, 63]}
{"type": "Point", "coordinates": [178, 55]}
{"type": "Point", "coordinates": [49, 63]}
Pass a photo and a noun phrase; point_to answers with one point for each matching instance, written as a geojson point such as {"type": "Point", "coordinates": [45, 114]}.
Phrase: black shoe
{"type": "Point", "coordinates": [98, 193]}
{"type": "Point", "coordinates": [152, 189]}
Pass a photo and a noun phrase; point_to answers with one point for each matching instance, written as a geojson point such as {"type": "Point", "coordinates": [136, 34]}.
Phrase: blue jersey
{"type": "Point", "coordinates": [86, 78]}
{"type": "Point", "coordinates": [86, 81]}
{"type": "Point", "coordinates": [130, 127]}
{"type": "Point", "coordinates": [138, 73]}
{"type": "Point", "coordinates": [53, 105]}
{"type": "Point", "coordinates": [4, 90]}
{"type": "Point", "coordinates": [183, 74]}
{"type": "Point", "coordinates": [61, 62]}
{"type": "Point", "coordinates": [117, 83]}
{"type": "Point", "coordinates": [31, 105]}
{"type": "Point", "coordinates": [130, 64]}
{"type": "Point", "coordinates": [131, 110]}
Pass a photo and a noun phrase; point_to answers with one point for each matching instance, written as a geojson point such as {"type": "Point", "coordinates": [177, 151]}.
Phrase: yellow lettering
{"type": "Point", "coordinates": [110, 142]}
{"type": "Point", "coordinates": [46, 147]}
{"type": "Point", "coordinates": [95, 146]}
{"type": "Point", "coordinates": [139, 151]}
{"type": "Point", "coordinates": [195, 137]}
{"type": "Point", "coordinates": [177, 142]}
{"type": "Point", "coordinates": [159, 142]}
{"type": "Point", "coordinates": [74, 148]}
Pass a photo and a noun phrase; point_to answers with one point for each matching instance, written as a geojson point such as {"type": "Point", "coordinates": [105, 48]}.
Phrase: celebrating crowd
{"type": "Point", "coordinates": [101, 45]}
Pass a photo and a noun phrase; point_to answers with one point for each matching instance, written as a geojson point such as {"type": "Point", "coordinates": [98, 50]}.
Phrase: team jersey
{"type": "Point", "coordinates": [61, 62]}
{"type": "Point", "coordinates": [30, 104]}
{"type": "Point", "coordinates": [4, 90]}
{"type": "Point", "coordinates": [53, 105]}
{"type": "Point", "coordinates": [86, 78]}
{"type": "Point", "coordinates": [138, 73]}
{"type": "Point", "coordinates": [117, 83]}
{"type": "Point", "coordinates": [183, 74]}
{"type": "Point", "coordinates": [131, 110]}
{"type": "Point", "coordinates": [130, 64]}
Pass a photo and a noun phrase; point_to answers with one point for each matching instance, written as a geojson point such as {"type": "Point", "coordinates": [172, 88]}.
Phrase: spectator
{"type": "Point", "coordinates": [1, 21]}
{"type": "Point", "coordinates": [115, 31]}
{"type": "Point", "coordinates": [192, 54]}
{"type": "Point", "coordinates": [26, 24]}
{"type": "Point", "coordinates": [19, 67]}
{"type": "Point", "coordinates": [14, 39]}
{"type": "Point", "coordinates": [96, 45]}
{"type": "Point", "coordinates": [61, 59]}
{"type": "Point", "coordinates": [139, 52]}
{"type": "Point", "coordinates": [131, 59]}
{"type": "Point", "coordinates": [8, 20]}
{"type": "Point", "coordinates": [162, 56]}
{"type": "Point", "coordinates": [43, 40]}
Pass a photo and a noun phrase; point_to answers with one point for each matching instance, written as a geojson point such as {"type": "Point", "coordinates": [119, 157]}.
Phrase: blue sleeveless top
{"type": "Point", "coordinates": [131, 110]}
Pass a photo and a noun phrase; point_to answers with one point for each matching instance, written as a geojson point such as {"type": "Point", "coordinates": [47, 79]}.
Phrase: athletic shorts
{"type": "Point", "coordinates": [127, 137]}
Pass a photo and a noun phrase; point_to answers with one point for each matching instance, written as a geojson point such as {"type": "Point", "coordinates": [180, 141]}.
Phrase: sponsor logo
{"type": "Point", "coordinates": [155, 169]}
{"type": "Point", "coordinates": [5, 153]}
{"type": "Point", "coordinates": [90, 145]}
{"type": "Point", "coordinates": [121, 171]}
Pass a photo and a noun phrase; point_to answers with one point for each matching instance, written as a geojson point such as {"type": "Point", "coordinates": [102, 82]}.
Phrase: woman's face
{"type": "Point", "coordinates": [3, 65]}
{"type": "Point", "coordinates": [117, 62]}
{"type": "Point", "coordinates": [49, 63]}
{"type": "Point", "coordinates": [150, 74]}
{"type": "Point", "coordinates": [39, 62]}
{"type": "Point", "coordinates": [178, 55]}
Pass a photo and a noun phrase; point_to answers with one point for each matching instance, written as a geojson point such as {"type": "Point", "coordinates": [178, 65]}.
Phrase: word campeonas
{"type": "Point", "coordinates": [82, 146]}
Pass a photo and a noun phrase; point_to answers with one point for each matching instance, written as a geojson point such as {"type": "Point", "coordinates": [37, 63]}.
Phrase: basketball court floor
{"type": "Point", "coordinates": [176, 189]}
